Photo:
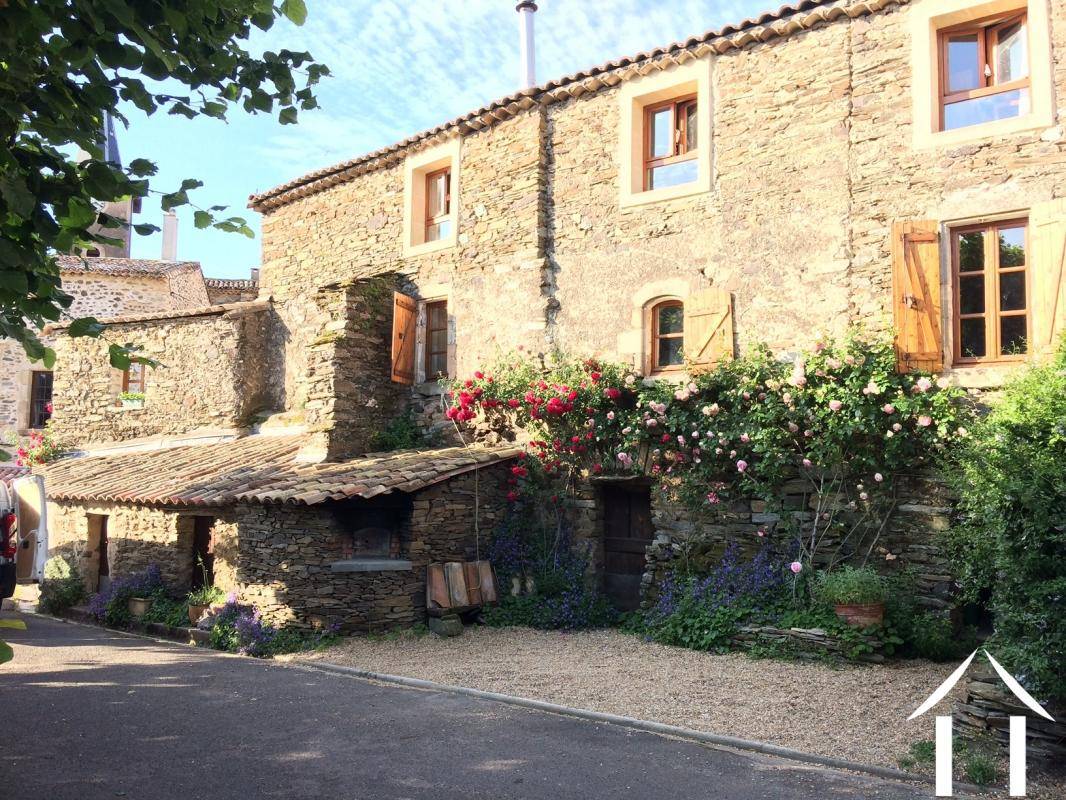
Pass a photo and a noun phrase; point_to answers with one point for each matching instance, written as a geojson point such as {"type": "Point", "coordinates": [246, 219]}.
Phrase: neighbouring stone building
{"type": "Point", "coordinates": [232, 290]}
{"type": "Point", "coordinates": [101, 287]}
{"type": "Point", "coordinates": [828, 163]}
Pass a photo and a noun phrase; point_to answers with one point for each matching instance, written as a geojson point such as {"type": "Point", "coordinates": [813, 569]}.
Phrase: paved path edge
{"type": "Point", "coordinates": [648, 726]}
{"type": "Point", "coordinates": [638, 724]}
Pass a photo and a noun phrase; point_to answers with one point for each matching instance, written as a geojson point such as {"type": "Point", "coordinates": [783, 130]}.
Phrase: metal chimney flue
{"type": "Point", "coordinates": [170, 236]}
{"type": "Point", "coordinates": [528, 66]}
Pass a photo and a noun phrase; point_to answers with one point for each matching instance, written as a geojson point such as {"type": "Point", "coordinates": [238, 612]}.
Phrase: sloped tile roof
{"type": "Point", "coordinates": [145, 267]}
{"type": "Point", "coordinates": [254, 469]}
{"type": "Point", "coordinates": [243, 307]}
{"type": "Point", "coordinates": [230, 283]}
{"type": "Point", "coordinates": [782, 23]}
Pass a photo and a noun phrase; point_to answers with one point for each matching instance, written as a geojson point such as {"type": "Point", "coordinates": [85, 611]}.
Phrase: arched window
{"type": "Point", "coordinates": [667, 335]}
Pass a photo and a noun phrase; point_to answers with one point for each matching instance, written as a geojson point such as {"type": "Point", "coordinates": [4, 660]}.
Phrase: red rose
{"type": "Point", "coordinates": [479, 375]}
{"type": "Point", "coordinates": [612, 393]}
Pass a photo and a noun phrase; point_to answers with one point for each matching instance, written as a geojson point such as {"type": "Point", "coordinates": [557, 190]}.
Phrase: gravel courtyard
{"type": "Point", "coordinates": [852, 712]}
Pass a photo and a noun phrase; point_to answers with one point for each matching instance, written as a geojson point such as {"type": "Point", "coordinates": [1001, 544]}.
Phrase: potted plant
{"type": "Point", "coordinates": [857, 595]}
{"type": "Point", "coordinates": [200, 600]}
{"type": "Point", "coordinates": [139, 606]}
{"type": "Point", "coordinates": [132, 399]}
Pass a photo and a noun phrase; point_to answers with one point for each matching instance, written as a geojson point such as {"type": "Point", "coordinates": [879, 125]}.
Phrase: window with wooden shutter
{"type": "Point", "coordinates": [404, 315]}
{"type": "Point", "coordinates": [708, 328]}
{"type": "Point", "coordinates": [916, 295]}
{"type": "Point", "coordinates": [1047, 222]}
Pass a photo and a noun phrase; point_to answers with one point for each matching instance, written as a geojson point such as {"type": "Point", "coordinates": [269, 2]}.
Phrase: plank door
{"type": "Point", "coordinates": [627, 532]}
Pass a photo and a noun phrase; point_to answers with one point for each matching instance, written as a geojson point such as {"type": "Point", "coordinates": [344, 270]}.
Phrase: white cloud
{"type": "Point", "coordinates": [399, 68]}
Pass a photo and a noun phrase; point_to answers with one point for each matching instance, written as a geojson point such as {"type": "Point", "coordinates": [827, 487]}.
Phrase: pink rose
{"type": "Point", "coordinates": [742, 465]}
{"type": "Point", "coordinates": [835, 405]}
{"type": "Point", "coordinates": [888, 408]}
{"type": "Point", "coordinates": [796, 567]}
{"type": "Point", "coordinates": [745, 438]}
{"type": "Point", "coordinates": [925, 421]}
{"type": "Point", "coordinates": [807, 463]}
{"type": "Point", "coordinates": [924, 384]}
{"type": "Point", "coordinates": [878, 477]}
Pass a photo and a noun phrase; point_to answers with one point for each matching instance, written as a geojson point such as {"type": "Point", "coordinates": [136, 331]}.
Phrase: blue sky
{"type": "Point", "coordinates": [398, 68]}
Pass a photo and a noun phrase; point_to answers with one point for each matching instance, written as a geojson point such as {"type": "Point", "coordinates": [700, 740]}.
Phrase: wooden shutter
{"type": "Point", "coordinates": [1047, 268]}
{"type": "Point", "coordinates": [404, 313]}
{"type": "Point", "coordinates": [916, 295]}
{"type": "Point", "coordinates": [708, 327]}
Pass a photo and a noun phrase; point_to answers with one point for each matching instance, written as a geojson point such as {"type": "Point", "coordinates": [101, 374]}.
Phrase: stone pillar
{"type": "Point", "coordinates": [350, 394]}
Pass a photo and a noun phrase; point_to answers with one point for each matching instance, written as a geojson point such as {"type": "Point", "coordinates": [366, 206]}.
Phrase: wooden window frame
{"type": "Point", "coordinates": [987, 32]}
{"type": "Point", "coordinates": [429, 352]}
{"type": "Point", "coordinates": [992, 313]}
{"type": "Point", "coordinates": [445, 215]}
{"type": "Point", "coordinates": [139, 384]}
{"type": "Point", "coordinates": [679, 152]}
{"type": "Point", "coordinates": [46, 415]}
{"type": "Point", "coordinates": [656, 337]}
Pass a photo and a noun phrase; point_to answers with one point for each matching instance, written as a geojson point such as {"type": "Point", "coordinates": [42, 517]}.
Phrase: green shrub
{"type": "Point", "coordinates": [205, 596]}
{"type": "Point", "coordinates": [850, 586]}
{"type": "Point", "coordinates": [168, 611]}
{"type": "Point", "coordinates": [933, 637]}
{"type": "Point", "coordinates": [63, 586]}
{"type": "Point", "coordinates": [402, 433]}
{"type": "Point", "coordinates": [980, 768]}
{"type": "Point", "coordinates": [1011, 537]}
{"type": "Point", "coordinates": [921, 753]}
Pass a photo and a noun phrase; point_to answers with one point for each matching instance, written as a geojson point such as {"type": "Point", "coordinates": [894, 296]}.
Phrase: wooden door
{"type": "Point", "coordinates": [203, 553]}
{"type": "Point", "coordinates": [103, 574]}
{"type": "Point", "coordinates": [627, 532]}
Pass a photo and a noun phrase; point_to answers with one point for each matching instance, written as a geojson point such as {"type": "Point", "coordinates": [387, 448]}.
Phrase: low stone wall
{"type": "Point", "coordinates": [922, 509]}
{"type": "Point", "coordinates": [802, 642]}
{"type": "Point", "coordinates": [987, 709]}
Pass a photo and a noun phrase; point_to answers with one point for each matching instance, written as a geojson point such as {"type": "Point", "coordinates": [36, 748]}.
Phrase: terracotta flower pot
{"type": "Point", "coordinates": [195, 612]}
{"type": "Point", "coordinates": [861, 615]}
{"type": "Point", "coordinates": [139, 606]}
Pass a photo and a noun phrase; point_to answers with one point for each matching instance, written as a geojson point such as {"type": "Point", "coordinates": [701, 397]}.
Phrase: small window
{"type": "Point", "coordinates": [438, 204]}
{"type": "Point", "coordinates": [436, 340]}
{"type": "Point", "coordinates": [40, 399]}
{"type": "Point", "coordinates": [670, 144]}
{"type": "Point", "coordinates": [133, 379]}
{"type": "Point", "coordinates": [991, 286]}
{"type": "Point", "coordinates": [667, 335]}
{"type": "Point", "coordinates": [984, 71]}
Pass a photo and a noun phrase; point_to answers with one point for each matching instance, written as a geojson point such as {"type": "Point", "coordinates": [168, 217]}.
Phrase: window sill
{"type": "Point", "coordinates": [663, 195]}
{"type": "Point", "coordinates": [371, 565]}
{"type": "Point", "coordinates": [986, 130]}
{"type": "Point", "coordinates": [412, 250]}
{"type": "Point", "coordinates": [429, 388]}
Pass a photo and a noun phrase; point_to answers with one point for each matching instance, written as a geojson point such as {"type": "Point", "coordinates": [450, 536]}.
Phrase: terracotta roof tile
{"type": "Point", "coordinates": [243, 307]}
{"type": "Point", "coordinates": [254, 469]}
{"type": "Point", "coordinates": [787, 20]}
{"type": "Point", "coordinates": [123, 266]}
{"type": "Point", "coordinates": [230, 283]}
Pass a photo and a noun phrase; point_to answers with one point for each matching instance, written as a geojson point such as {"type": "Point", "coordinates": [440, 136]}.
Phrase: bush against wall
{"type": "Point", "coordinates": [63, 586]}
{"type": "Point", "coordinates": [1011, 536]}
{"type": "Point", "coordinates": [839, 418]}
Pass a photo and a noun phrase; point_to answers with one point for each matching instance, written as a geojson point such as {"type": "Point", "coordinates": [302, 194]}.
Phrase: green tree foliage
{"type": "Point", "coordinates": [67, 64]}
{"type": "Point", "coordinates": [1011, 542]}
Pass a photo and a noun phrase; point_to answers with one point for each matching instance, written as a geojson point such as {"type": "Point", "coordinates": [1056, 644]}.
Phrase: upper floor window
{"type": "Point", "coordinates": [990, 274]}
{"type": "Point", "coordinates": [133, 379]}
{"type": "Point", "coordinates": [667, 335]}
{"type": "Point", "coordinates": [984, 71]}
{"type": "Point", "coordinates": [436, 340]}
{"type": "Point", "coordinates": [438, 204]}
{"type": "Point", "coordinates": [40, 398]}
{"type": "Point", "coordinates": [670, 143]}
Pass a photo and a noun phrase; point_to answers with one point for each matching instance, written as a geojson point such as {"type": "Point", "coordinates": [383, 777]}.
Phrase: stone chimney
{"type": "Point", "coordinates": [170, 236]}
{"type": "Point", "coordinates": [528, 63]}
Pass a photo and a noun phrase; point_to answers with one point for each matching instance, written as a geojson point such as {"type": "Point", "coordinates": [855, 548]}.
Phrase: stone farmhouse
{"type": "Point", "coordinates": [897, 163]}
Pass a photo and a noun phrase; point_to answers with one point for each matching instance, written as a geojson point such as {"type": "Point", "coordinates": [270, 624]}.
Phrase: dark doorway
{"type": "Point", "coordinates": [98, 544]}
{"type": "Point", "coordinates": [627, 532]}
{"type": "Point", "coordinates": [203, 552]}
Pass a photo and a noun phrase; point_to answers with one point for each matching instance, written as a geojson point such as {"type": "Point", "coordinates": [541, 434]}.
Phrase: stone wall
{"type": "Point", "coordinates": [212, 375]}
{"type": "Point", "coordinates": [138, 536]}
{"type": "Point", "coordinates": [349, 394]}
{"type": "Point", "coordinates": [187, 288]}
{"type": "Point", "coordinates": [95, 294]}
{"type": "Point", "coordinates": [285, 554]}
{"type": "Point", "coordinates": [922, 509]}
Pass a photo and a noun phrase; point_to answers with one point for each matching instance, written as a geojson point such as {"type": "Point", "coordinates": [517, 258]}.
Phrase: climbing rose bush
{"type": "Point", "coordinates": [839, 417]}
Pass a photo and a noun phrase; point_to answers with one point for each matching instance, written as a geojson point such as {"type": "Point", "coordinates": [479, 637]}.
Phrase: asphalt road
{"type": "Point", "coordinates": [87, 714]}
